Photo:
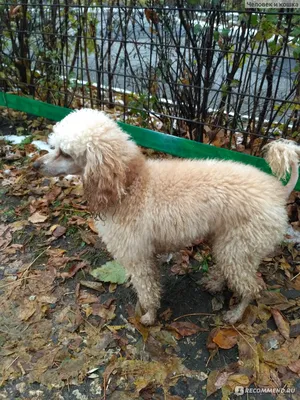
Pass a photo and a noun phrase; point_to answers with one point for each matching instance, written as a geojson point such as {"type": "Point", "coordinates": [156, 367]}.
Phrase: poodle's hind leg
{"type": "Point", "coordinates": [214, 280]}
{"type": "Point", "coordinates": [238, 263]}
{"type": "Point", "coordinates": [145, 280]}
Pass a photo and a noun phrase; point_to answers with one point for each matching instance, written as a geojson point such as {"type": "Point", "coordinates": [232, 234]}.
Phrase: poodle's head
{"type": "Point", "coordinates": [88, 143]}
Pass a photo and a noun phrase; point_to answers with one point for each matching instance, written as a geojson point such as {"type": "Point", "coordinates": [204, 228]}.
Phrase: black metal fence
{"type": "Point", "coordinates": [207, 70]}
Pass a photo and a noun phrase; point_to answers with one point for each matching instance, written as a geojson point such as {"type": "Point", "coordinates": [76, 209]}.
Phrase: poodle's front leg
{"type": "Point", "coordinates": [145, 280]}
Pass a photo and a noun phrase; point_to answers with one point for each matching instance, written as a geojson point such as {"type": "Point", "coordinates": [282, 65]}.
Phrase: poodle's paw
{"type": "Point", "coordinates": [232, 316]}
{"type": "Point", "coordinates": [148, 318]}
{"type": "Point", "coordinates": [212, 285]}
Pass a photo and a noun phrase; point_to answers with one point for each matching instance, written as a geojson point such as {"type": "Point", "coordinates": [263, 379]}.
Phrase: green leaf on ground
{"type": "Point", "coordinates": [112, 272]}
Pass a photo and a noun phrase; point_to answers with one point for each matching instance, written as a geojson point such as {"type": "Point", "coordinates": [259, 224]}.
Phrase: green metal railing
{"type": "Point", "coordinates": [144, 137]}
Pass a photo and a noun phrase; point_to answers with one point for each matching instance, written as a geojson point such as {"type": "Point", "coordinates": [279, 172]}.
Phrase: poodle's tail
{"type": "Point", "coordinates": [283, 157]}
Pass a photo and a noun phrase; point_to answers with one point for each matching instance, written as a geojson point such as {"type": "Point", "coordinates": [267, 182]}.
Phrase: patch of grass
{"type": "Point", "coordinates": [72, 230]}
{"type": "Point", "coordinates": [56, 203]}
{"type": "Point", "coordinates": [25, 141]}
{"type": "Point", "coordinates": [8, 215]}
{"type": "Point", "coordinates": [96, 257]}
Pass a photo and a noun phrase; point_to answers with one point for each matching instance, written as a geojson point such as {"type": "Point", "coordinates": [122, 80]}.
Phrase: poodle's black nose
{"type": "Point", "coordinates": [36, 165]}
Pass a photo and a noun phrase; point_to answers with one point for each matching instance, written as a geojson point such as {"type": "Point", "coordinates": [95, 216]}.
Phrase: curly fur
{"type": "Point", "coordinates": [158, 206]}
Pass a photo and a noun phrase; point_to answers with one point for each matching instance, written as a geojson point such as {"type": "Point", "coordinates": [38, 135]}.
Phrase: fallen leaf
{"type": "Point", "coordinates": [105, 311]}
{"type": "Point", "coordinates": [248, 357]}
{"type": "Point", "coordinates": [110, 272]}
{"type": "Point", "coordinates": [142, 329]}
{"type": "Point", "coordinates": [222, 379]}
{"type": "Point", "coordinates": [18, 225]}
{"type": "Point", "coordinates": [52, 195]}
{"type": "Point", "coordinates": [295, 367]}
{"type": "Point", "coordinates": [59, 231]}
{"type": "Point", "coordinates": [275, 299]}
{"type": "Point", "coordinates": [72, 271]}
{"type": "Point", "coordinates": [263, 312]}
{"type": "Point", "coordinates": [88, 237]}
{"type": "Point", "coordinates": [93, 285]}
{"type": "Point", "coordinates": [50, 299]}
{"type": "Point", "coordinates": [87, 298]}
{"type": "Point", "coordinates": [186, 328]}
{"type": "Point", "coordinates": [37, 218]}
{"type": "Point", "coordinates": [284, 356]}
{"type": "Point", "coordinates": [211, 380]}
{"type": "Point", "coordinates": [271, 340]}
{"type": "Point", "coordinates": [295, 328]}
{"type": "Point", "coordinates": [281, 322]}
{"type": "Point", "coordinates": [112, 287]}
{"type": "Point", "coordinates": [226, 338]}
{"type": "Point", "coordinates": [210, 344]}
{"type": "Point", "coordinates": [250, 315]}
{"type": "Point", "coordinates": [144, 373]}
{"type": "Point", "coordinates": [5, 236]}
{"type": "Point", "coordinates": [166, 315]}
{"type": "Point", "coordinates": [235, 380]}
{"type": "Point", "coordinates": [296, 283]}
{"type": "Point", "coordinates": [27, 310]}
{"type": "Point", "coordinates": [91, 224]}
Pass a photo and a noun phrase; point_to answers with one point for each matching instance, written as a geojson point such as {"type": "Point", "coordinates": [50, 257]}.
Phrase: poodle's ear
{"type": "Point", "coordinates": [104, 177]}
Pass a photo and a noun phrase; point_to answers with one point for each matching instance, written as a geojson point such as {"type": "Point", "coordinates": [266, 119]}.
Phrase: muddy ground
{"type": "Point", "coordinates": [66, 335]}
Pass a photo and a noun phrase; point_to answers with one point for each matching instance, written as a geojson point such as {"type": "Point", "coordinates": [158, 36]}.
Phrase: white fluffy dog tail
{"type": "Point", "coordinates": [283, 157]}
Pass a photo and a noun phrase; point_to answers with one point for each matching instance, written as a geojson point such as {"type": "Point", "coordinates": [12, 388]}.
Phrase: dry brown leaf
{"type": "Point", "coordinates": [296, 283]}
{"type": "Point", "coordinates": [166, 315]}
{"type": "Point", "coordinates": [250, 315]}
{"type": "Point", "coordinates": [73, 270]}
{"type": "Point", "coordinates": [281, 322]}
{"type": "Point", "coordinates": [271, 340]}
{"type": "Point", "coordinates": [93, 285]}
{"type": "Point", "coordinates": [263, 312]}
{"type": "Point", "coordinates": [59, 231]}
{"type": "Point", "coordinates": [14, 248]}
{"type": "Point", "coordinates": [144, 373]}
{"type": "Point", "coordinates": [91, 224]}
{"type": "Point", "coordinates": [107, 314]}
{"type": "Point", "coordinates": [142, 329]}
{"type": "Point", "coordinates": [295, 328]}
{"type": "Point", "coordinates": [284, 356]}
{"type": "Point", "coordinates": [295, 367]}
{"type": "Point", "coordinates": [226, 338]}
{"type": "Point", "coordinates": [211, 380]}
{"type": "Point", "coordinates": [87, 298]}
{"type": "Point", "coordinates": [275, 299]}
{"type": "Point", "coordinates": [235, 380]}
{"type": "Point", "coordinates": [50, 299]}
{"type": "Point", "coordinates": [53, 194]}
{"type": "Point", "coordinates": [5, 236]}
{"type": "Point", "coordinates": [112, 287]}
{"type": "Point", "coordinates": [37, 218]}
{"type": "Point", "coordinates": [18, 225]}
{"type": "Point", "coordinates": [263, 377]}
{"type": "Point", "coordinates": [186, 328]}
{"type": "Point", "coordinates": [248, 356]}
{"type": "Point", "coordinates": [210, 344]}
{"type": "Point", "coordinates": [27, 310]}
{"type": "Point", "coordinates": [89, 237]}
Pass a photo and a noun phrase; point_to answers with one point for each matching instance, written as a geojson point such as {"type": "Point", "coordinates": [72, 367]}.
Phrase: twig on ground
{"type": "Point", "coordinates": [243, 337]}
{"type": "Point", "coordinates": [294, 277]}
{"type": "Point", "coordinates": [193, 314]}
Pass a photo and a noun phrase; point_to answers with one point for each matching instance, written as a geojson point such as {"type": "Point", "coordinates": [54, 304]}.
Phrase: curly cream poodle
{"type": "Point", "coordinates": [144, 207]}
